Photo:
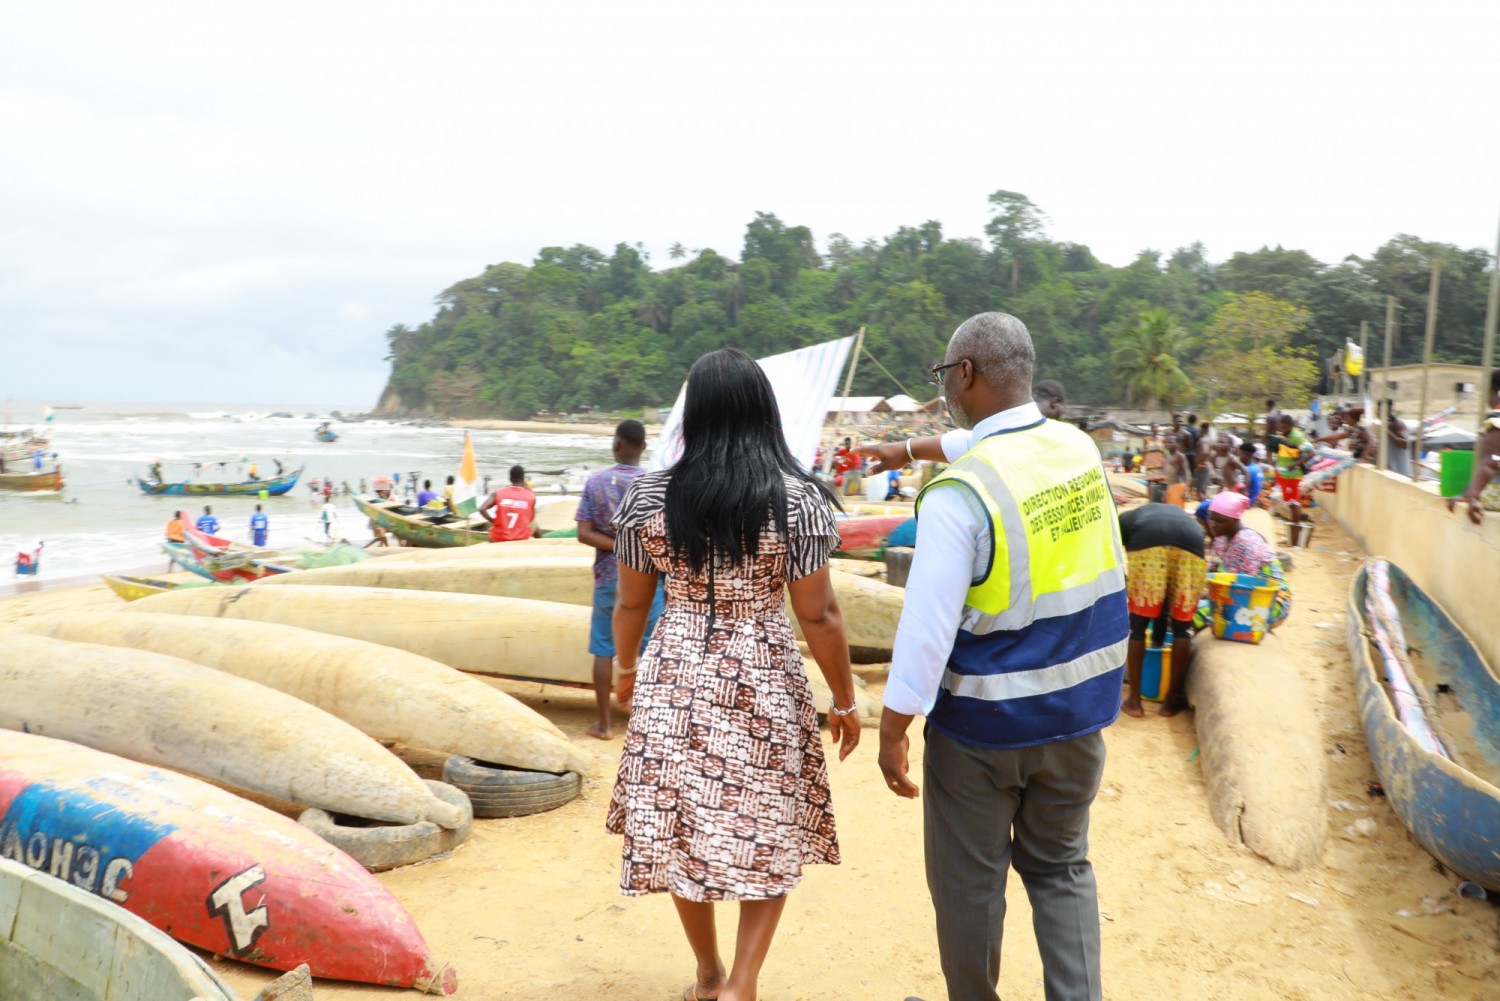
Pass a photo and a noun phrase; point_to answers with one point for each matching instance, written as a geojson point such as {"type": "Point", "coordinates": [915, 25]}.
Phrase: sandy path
{"type": "Point", "coordinates": [528, 908]}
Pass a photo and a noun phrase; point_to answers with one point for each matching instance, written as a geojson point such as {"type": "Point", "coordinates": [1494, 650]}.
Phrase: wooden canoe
{"type": "Point", "coordinates": [429, 531]}
{"type": "Point", "coordinates": [275, 486]}
{"type": "Point", "coordinates": [214, 870]}
{"type": "Point", "coordinates": [164, 710]}
{"type": "Point", "coordinates": [57, 941]}
{"type": "Point", "coordinates": [864, 536]}
{"type": "Point", "coordinates": [226, 568]}
{"type": "Point", "coordinates": [870, 608]}
{"type": "Point", "coordinates": [135, 588]}
{"type": "Point", "coordinates": [31, 480]}
{"type": "Point", "coordinates": [1451, 805]}
{"type": "Point", "coordinates": [383, 692]}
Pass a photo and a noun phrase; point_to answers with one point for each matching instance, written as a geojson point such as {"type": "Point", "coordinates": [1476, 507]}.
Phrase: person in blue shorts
{"type": "Point", "coordinates": [207, 523]}
{"type": "Point", "coordinates": [259, 526]}
{"type": "Point", "coordinates": [601, 497]}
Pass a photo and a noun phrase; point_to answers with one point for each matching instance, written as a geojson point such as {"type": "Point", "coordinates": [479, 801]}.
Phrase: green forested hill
{"type": "Point", "coordinates": [578, 327]}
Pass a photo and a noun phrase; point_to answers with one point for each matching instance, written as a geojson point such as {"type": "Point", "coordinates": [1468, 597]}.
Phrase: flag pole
{"type": "Point", "coordinates": [838, 420]}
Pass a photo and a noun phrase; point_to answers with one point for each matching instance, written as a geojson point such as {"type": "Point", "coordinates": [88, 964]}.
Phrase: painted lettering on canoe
{"type": "Point", "coordinates": [80, 864]}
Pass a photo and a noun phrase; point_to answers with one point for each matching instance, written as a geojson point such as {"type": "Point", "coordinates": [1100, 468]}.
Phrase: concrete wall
{"type": "Point", "coordinates": [1448, 556]}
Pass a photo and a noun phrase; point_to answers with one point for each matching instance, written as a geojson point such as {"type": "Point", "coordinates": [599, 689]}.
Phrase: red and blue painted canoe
{"type": "Point", "coordinates": [864, 536]}
{"type": "Point", "coordinates": [205, 866]}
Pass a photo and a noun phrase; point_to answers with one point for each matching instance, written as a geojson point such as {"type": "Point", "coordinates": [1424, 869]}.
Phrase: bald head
{"type": "Point", "coordinates": [1000, 348]}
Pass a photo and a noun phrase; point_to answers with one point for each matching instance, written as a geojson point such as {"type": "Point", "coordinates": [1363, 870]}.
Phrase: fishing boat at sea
{"type": "Point", "coordinates": [417, 527]}
{"type": "Point", "coordinates": [16, 446]}
{"type": "Point", "coordinates": [135, 588]}
{"type": "Point", "coordinates": [274, 486]}
{"type": "Point", "coordinates": [1431, 709]}
{"type": "Point", "coordinates": [227, 568]}
{"type": "Point", "coordinates": [33, 479]}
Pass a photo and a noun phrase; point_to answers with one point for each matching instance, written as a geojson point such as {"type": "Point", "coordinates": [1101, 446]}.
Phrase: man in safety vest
{"type": "Point", "coordinates": [1012, 643]}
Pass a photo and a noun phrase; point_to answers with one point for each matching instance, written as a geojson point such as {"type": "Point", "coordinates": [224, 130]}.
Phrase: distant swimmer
{"type": "Point", "coordinates": [207, 523]}
{"type": "Point", "coordinates": [515, 510]}
{"type": "Point", "coordinates": [260, 526]}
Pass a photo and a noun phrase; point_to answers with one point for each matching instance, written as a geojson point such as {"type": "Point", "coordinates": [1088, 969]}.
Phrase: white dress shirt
{"type": "Point", "coordinates": [953, 548]}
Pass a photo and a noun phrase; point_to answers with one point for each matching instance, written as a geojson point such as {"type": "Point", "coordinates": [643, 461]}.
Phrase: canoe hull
{"type": "Point", "coordinates": [275, 487]}
{"type": "Point", "coordinates": [864, 536]}
{"type": "Point", "coordinates": [1452, 812]}
{"type": "Point", "coordinates": [227, 568]}
{"type": "Point", "coordinates": [135, 588]}
{"type": "Point", "coordinates": [65, 942]}
{"type": "Point", "coordinates": [29, 481]}
{"type": "Point", "coordinates": [213, 870]}
{"type": "Point", "coordinates": [416, 530]}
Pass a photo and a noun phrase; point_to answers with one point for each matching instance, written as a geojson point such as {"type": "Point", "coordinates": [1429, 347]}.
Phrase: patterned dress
{"type": "Point", "coordinates": [722, 792]}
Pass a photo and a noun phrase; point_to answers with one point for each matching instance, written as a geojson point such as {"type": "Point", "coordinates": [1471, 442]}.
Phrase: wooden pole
{"type": "Point", "coordinates": [1491, 317]}
{"type": "Point", "coordinates": [838, 420]}
{"type": "Point", "coordinates": [1364, 358]}
{"type": "Point", "coordinates": [1382, 409]}
{"type": "Point", "coordinates": [1432, 310]}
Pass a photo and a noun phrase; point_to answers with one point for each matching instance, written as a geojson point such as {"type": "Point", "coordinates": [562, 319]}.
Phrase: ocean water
{"type": "Point", "coordinates": [101, 521]}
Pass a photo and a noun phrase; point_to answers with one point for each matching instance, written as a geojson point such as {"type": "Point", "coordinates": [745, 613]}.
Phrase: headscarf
{"type": "Point", "coordinates": [1229, 504]}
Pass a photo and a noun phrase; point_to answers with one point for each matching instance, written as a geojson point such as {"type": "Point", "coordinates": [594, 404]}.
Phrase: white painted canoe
{"type": "Point", "coordinates": [512, 637]}
{"type": "Point", "coordinates": [380, 690]}
{"type": "Point", "coordinates": [166, 711]}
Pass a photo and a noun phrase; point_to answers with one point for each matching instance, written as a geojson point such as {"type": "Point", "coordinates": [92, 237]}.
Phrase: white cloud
{"type": "Point", "coordinates": [182, 183]}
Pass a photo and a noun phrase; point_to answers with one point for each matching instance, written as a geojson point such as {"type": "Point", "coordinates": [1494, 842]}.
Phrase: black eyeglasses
{"type": "Point", "coordinates": [938, 370]}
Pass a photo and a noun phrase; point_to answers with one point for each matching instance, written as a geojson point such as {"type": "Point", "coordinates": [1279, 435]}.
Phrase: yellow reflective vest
{"type": "Point", "coordinates": [1040, 650]}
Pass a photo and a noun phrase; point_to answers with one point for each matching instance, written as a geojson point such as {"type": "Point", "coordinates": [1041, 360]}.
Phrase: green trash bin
{"type": "Point", "coordinates": [1455, 470]}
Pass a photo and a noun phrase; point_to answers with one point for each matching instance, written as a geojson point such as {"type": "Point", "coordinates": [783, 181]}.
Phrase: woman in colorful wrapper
{"type": "Point", "coordinates": [722, 793]}
{"type": "Point", "coordinates": [1237, 548]}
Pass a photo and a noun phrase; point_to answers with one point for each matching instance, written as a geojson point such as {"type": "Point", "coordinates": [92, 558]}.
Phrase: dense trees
{"type": "Point", "coordinates": [581, 327]}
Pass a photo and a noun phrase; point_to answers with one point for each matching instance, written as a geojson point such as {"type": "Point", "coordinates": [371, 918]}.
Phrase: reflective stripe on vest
{"type": "Point", "coordinates": [1044, 625]}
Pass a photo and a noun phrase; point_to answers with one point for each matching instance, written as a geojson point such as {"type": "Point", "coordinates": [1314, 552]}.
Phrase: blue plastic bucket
{"type": "Point", "coordinates": [1156, 671]}
{"type": "Point", "coordinates": [1241, 606]}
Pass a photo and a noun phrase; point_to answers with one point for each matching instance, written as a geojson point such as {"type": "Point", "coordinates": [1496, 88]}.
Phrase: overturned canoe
{"type": "Point", "coordinates": [214, 870]}
{"type": "Point", "coordinates": [540, 640]}
{"type": "Point", "coordinates": [870, 608]}
{"type": "Point", "coordinates": [1449, 798]}
{"type": "Point", "coordinates": [166, 711]}
{"type": "Point", "coordinates": [379, 690]}
{"type": "Point", "coordinates": [511, 637]}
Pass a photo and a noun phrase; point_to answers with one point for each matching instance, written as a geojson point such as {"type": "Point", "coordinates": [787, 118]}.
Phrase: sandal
{"type": "Point", "coordinates": [690, 993]}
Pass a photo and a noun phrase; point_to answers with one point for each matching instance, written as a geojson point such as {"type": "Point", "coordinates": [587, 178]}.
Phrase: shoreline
{"type": "Point", "coordinates": [543, 427]}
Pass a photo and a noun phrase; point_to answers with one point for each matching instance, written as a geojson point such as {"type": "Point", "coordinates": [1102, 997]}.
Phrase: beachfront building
{"type": "Point", "coordinates": [1460, 386]}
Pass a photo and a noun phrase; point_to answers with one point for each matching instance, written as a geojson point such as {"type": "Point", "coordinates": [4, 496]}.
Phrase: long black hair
{"type": "Point", "coordinates": [729, 482]}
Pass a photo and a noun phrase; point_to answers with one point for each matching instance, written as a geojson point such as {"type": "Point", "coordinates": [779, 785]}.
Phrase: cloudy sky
{"type": "Point", "coordinates": [232, 202]}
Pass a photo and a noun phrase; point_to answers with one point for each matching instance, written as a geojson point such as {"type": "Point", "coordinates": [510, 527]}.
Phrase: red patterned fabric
{"type": "Point", "coordinates": [722, 792]}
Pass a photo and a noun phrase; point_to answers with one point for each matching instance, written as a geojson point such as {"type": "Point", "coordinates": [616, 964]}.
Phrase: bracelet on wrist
{"type": "Point", "coordinates": [833, 707]}
{"type": "Point", "coordinates": [909, 456]}
{"type": "Point", "coordinates": [622, 669]}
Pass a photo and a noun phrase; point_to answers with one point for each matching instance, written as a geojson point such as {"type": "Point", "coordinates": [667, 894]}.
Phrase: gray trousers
{"type": "Point", "coordinates": [986, 810]}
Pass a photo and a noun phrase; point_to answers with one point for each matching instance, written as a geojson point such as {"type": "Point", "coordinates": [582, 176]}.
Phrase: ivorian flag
{"type": "Point", "coordinates": [466, 487]}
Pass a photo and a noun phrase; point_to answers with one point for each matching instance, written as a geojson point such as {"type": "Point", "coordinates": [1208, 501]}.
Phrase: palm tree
{"type": "Point", "coordinates": [677, 252]}
{"type": "Point", "coordinates": [1146, 359]}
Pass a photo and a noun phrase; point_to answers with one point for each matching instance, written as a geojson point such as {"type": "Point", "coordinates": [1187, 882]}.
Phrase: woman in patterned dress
{"type": "Point", "coordinates": [722, 792]}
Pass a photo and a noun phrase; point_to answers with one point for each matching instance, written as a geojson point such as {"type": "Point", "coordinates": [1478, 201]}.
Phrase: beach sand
{"type": "Point", "coordinates": [528, 908]}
